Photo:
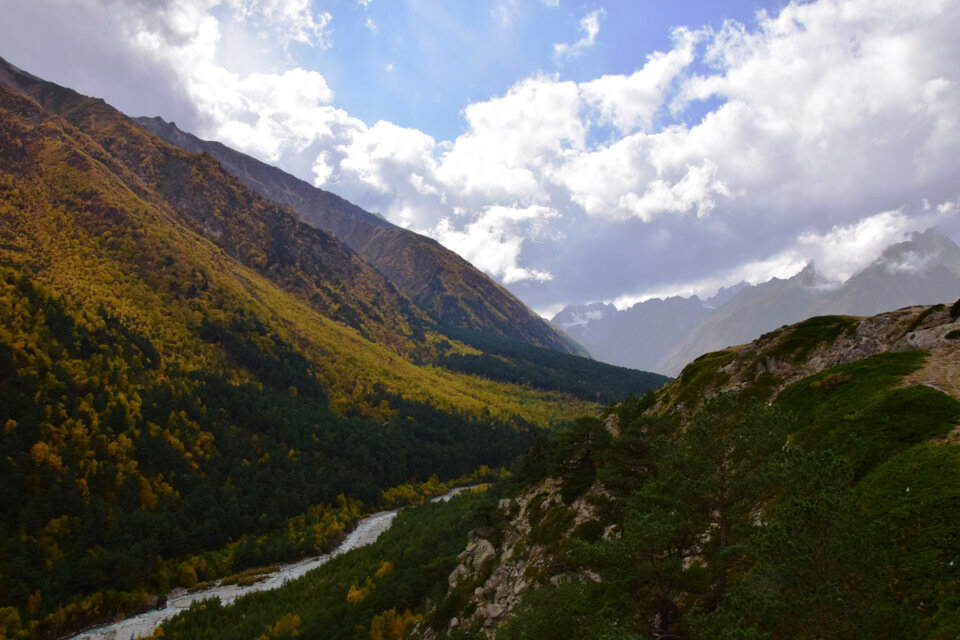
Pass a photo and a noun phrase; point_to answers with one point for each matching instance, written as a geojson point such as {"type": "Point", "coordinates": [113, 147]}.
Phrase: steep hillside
{"type": "Point", "coordinates": [187, 231]}
{"type": "Point", "coordinates": [806, 485]}
{"type": "Point", "coordinates": [262, 236]}
{"type": "Point", "coordinates": [452, 291]}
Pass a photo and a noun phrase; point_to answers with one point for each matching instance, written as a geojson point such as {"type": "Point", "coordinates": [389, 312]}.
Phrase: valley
{"type": "Point", "coordinates": [195, 383]}
{"type": "Point", "coordinates": [235, 405]}
{"type": "Point", "coordinates": [803, 485]}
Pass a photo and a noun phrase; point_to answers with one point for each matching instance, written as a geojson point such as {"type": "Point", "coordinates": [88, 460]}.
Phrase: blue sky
{"type": "Point", "coordinates": [443, 56]}
{"type": "Point", "coordinates": [575, 151]}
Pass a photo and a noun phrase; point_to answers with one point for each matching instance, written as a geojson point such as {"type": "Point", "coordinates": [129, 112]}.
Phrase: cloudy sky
{"type": "Point", "coordinates": [574, 150]}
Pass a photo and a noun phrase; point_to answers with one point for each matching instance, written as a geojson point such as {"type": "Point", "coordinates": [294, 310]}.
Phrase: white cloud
{"type": "Point", "coordinates": [837, 255]}
{"type": "Point", "coordinates": [844, 250]}
{"type": "Point", "coordinates": [513, 141]}
{"type": "Point", "coordinates": [911, 262]}
{"type": "Point", "coordinates": [547, 312]}
{"type": "Point", "coordinates": [291, 20]}
{"type": "Point", "coordinates": [589, 27]}
{"type": "Point", "coordinates": [493, 241]}
{"type": "Point", "coordinates": [695, 190]}
{"type": "Point", "coordinates": [800, 126]}
{"type": "Point", "coordinates": [631, 101]}
{"type": "Point", "coordinates": [371, 25]}
{"type": "Point", "coordinates": [824, 112]}
{"type": "Point", "coordinates": [504, 12]}
{"type": "Point", "coordinates": [373, 152]}
{"type": "Point", "coordinates": [551, 3]}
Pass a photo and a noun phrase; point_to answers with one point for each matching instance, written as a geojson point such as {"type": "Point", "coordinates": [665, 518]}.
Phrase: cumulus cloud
{"type": "Point", "coordinates": [493, 241]}
{"type": "Point", "coordinates": [629, 102]}
{"type": "Point", "coordinates": [745, 152]}
{"type": "Point", "coordinates": [589, 27]}
{"type": "Point", "coordinates": [824, 114]}
{"type": "Point", "coordinates": [291, 20]}
{"type": "Point", "coordinates": [514, 140]}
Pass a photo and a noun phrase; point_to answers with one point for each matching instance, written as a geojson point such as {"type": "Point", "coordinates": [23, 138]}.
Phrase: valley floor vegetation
{"type": "Point", "coordinates": [830, 513]}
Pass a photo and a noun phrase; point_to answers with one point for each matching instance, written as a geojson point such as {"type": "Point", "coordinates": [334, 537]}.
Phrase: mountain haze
{"type": "Point", "coordinates": [636, 337]}
{"type": "Point", "coordinates": [664, 335]}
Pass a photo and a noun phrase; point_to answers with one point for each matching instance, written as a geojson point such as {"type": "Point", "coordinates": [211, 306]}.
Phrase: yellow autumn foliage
{"type": "Point", "coordinates": [286, 626]}
{"type": "Point", "coordinates": [357, 594]}
{"type": "Point", "coordinates": [391, 625]}
{"type": "Point", "coordinates": [386, 569]}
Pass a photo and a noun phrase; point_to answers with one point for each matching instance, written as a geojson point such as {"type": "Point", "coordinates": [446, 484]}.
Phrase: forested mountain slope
{"type": "Point", "coordinates": [806, 485]}
{"type": "Point", "coordinates": [96, 162]}
{"type": "Point", "coordinates": [454, 293]}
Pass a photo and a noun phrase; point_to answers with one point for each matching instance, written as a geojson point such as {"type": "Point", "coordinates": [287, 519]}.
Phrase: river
{"type": "Point", "coordinates": [366, 532]}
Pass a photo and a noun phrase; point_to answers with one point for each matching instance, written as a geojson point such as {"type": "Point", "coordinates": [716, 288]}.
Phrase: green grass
{"type": "Point", "coordinates": [859, 409]}
{"type": "Point", "coordinates": [916, 496]}
{"type": "Point", "coordinates": [923, 316]}
{"type": "Point", "coordinates": [810, 334]}
{"type": "Point", "coordinates": [761, 389]}
{"type": "Point", "coordinates": [703, 374]}
{"type": "Point", "coordinates": [955, 310]}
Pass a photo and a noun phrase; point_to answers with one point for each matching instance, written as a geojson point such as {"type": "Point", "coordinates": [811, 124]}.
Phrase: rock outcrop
{"type": "Point", "coordinates": [495, 574]}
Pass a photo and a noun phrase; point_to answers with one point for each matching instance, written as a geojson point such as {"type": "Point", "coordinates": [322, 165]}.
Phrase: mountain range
{"type": "Point", "coordinates": [664, 335]}
{"type": "Point", "coordinates": [193, 380]}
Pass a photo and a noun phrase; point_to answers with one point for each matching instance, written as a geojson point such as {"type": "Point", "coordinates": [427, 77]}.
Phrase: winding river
{"type": "Point", "coordinates": [366, 532]}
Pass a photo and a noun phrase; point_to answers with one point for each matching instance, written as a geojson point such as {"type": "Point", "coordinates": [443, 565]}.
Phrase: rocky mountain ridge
{"type": "Point", "coordinates": [455, 294]}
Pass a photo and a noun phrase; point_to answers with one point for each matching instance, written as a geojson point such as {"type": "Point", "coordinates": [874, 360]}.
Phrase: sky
{"type": "Point", "coordinates": [576, 151]}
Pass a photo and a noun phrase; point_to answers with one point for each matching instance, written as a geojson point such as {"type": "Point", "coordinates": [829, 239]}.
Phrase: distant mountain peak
{"type": "Point", "coordinates": [581, 314]}
{"type": "Point", "coordinates": [724, 294]}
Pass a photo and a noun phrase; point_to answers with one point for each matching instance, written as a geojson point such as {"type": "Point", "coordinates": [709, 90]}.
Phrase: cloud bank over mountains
{"type": "Point", "coordinates": [823, 132]}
